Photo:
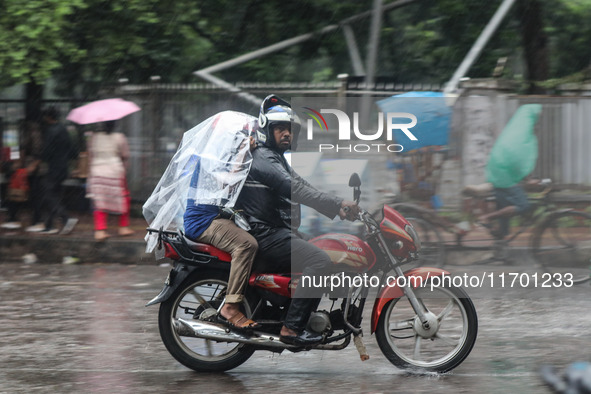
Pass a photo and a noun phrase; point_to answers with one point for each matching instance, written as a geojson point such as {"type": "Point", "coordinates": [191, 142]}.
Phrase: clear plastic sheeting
{"type": "Point", "coordinates": [209, 167]}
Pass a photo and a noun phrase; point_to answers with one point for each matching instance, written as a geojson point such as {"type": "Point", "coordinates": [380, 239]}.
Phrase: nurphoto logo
{"type": "Point", "coordinates": [353, 134]}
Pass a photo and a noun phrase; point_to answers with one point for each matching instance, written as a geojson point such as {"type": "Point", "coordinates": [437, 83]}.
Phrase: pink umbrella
{"type": "Point", "coordinates": [102, 111]}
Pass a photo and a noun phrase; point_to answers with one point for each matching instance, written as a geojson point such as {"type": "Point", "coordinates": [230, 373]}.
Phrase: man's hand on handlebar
{"type": "Point", "coordinates": [349, 210]}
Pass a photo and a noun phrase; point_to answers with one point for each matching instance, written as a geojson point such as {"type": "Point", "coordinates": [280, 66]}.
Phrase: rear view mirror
{"type": "Point", "coordinates": [354, 181]}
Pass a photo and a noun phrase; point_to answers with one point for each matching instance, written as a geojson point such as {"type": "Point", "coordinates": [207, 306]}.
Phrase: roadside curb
{"type": "Point", "coordinates": [81, 250]}
{"type": "Point", "coordinates": [56, 249]}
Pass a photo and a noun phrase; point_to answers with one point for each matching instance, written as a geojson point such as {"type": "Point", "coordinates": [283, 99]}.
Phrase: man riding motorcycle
{"type": "Point", "coordinates": [271, 199]}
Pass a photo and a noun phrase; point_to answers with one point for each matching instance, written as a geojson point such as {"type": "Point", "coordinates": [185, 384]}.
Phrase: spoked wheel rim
{"type": "Point", "coordinates": [442, 342]}
{"type": "Point", "coordinates": [198, 302]}
{"type": "Point", "coordinates": [563, 248]}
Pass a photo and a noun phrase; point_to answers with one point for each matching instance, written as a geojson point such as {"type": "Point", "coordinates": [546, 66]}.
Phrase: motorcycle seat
{"type": "Point", "coordinates": [209, 249]}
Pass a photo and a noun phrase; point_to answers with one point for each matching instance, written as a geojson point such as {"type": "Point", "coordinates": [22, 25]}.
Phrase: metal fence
{"type": "Point", "coordinates": [564, 138]}
{"type": "Point", "coordinates": [169, 110]}
{"type": "Point", "coordinates": [562, 131]}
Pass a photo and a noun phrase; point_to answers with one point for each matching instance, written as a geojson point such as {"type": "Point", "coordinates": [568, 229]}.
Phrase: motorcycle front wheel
{"type": "Point", "coordinates": [453, 326]}
{"type": "Point", "coordinates": [198, 298]}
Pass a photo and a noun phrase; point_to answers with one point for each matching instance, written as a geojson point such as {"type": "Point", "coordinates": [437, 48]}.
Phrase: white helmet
{"type": "Point", "coordinates": [275, 110]}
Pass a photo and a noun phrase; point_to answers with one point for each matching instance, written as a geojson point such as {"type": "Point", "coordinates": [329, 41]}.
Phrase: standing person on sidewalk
{"type": "Point", "coordinates": [17, 193]}
{"type": "Point", "coordinates": [28, 163]}
{"type": "Point", "coordinates": [33, 145]}
{"type": "Point", "coordinates": [108, 154]}
{"type": "Point", "coordinates": [56, 155]}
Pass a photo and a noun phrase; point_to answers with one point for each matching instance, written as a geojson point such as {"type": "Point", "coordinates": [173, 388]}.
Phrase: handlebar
{"type": "Point", "coordinates": [347, 211]}
{"type": "Point", "coordinates": [363, 216]}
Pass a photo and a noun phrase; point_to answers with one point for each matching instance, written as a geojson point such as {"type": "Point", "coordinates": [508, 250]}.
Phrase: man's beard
{"type": "Point", "coordinates": [282, 148]}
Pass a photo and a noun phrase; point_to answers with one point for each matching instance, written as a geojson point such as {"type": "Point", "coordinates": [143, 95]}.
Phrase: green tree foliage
{"type": "Point", "coordinates": [427, 41]}
{"type": "Point", "coordinates": [32, 44]}
{"type": "Point", "coordinates": [254, 24]}
{"type": "Point", "coordinates": [569, 29]}
{"type": "Point", "coordinates": [89, 43]}
{"type": "Point", "coordinates": [133, 39]}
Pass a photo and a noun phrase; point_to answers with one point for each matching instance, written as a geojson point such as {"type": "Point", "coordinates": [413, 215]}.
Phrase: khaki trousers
{"type": "Point", "coordinates": [225, 235]}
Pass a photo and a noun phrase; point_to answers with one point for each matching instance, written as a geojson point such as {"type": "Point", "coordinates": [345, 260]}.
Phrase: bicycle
{"type": "Point", "coordinates": [559, 239]}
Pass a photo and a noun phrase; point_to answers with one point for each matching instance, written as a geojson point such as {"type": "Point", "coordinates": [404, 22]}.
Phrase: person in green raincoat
{"type": "Point", "coordinates": [512, 158]}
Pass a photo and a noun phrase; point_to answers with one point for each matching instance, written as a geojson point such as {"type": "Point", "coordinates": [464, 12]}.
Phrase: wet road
{"type": "Point", "coordinates": [72, 329]}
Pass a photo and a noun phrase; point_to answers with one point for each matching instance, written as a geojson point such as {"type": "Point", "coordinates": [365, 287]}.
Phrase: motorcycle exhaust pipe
{"type": "Point", "coordinates": [220, 333]}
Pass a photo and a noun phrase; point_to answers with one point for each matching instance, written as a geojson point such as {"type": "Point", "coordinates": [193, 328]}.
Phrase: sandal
{"type": "Point", "coordinates": [239, 322]}
{"type": "Point", "coordinates": [125, 231]}
{"type": "Point", "coordinates": [101, 235]}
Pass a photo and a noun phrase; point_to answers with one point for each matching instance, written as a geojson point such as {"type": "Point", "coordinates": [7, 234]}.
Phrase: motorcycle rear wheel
{"type": "Point", "coordinates": [405, 345]}
{"type": "Point", "coordinates": [199, 297]}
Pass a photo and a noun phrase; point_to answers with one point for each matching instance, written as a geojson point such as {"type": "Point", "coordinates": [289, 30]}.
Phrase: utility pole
{"type": "Point", "coordinates": [372, 56]}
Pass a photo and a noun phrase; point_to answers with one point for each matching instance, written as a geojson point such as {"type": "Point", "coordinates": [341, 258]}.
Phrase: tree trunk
{"type": "Point", "coordinates": [535, 43]}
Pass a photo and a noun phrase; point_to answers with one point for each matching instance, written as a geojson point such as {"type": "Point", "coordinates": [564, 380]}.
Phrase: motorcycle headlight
{"type": "Point", "coordinates": [413, 234]}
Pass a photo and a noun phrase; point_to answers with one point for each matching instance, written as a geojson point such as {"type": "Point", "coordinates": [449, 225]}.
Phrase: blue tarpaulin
{"type": "Point", "coordinates": [433, 118]}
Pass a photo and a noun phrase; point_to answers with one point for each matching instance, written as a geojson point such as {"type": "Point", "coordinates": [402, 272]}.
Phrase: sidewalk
{"type": "Point", "coordinates": [81, 247]}
{"type": "Point", "coordinates": [78, 246]}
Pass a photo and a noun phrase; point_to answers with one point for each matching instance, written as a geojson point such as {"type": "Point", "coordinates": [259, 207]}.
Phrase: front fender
{"type": "Point", "coordinates": [415, 277]}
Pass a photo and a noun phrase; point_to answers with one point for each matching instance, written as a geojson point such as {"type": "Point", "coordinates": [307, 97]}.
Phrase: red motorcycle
{"type": "Point", "coordinates": [421, 321]}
